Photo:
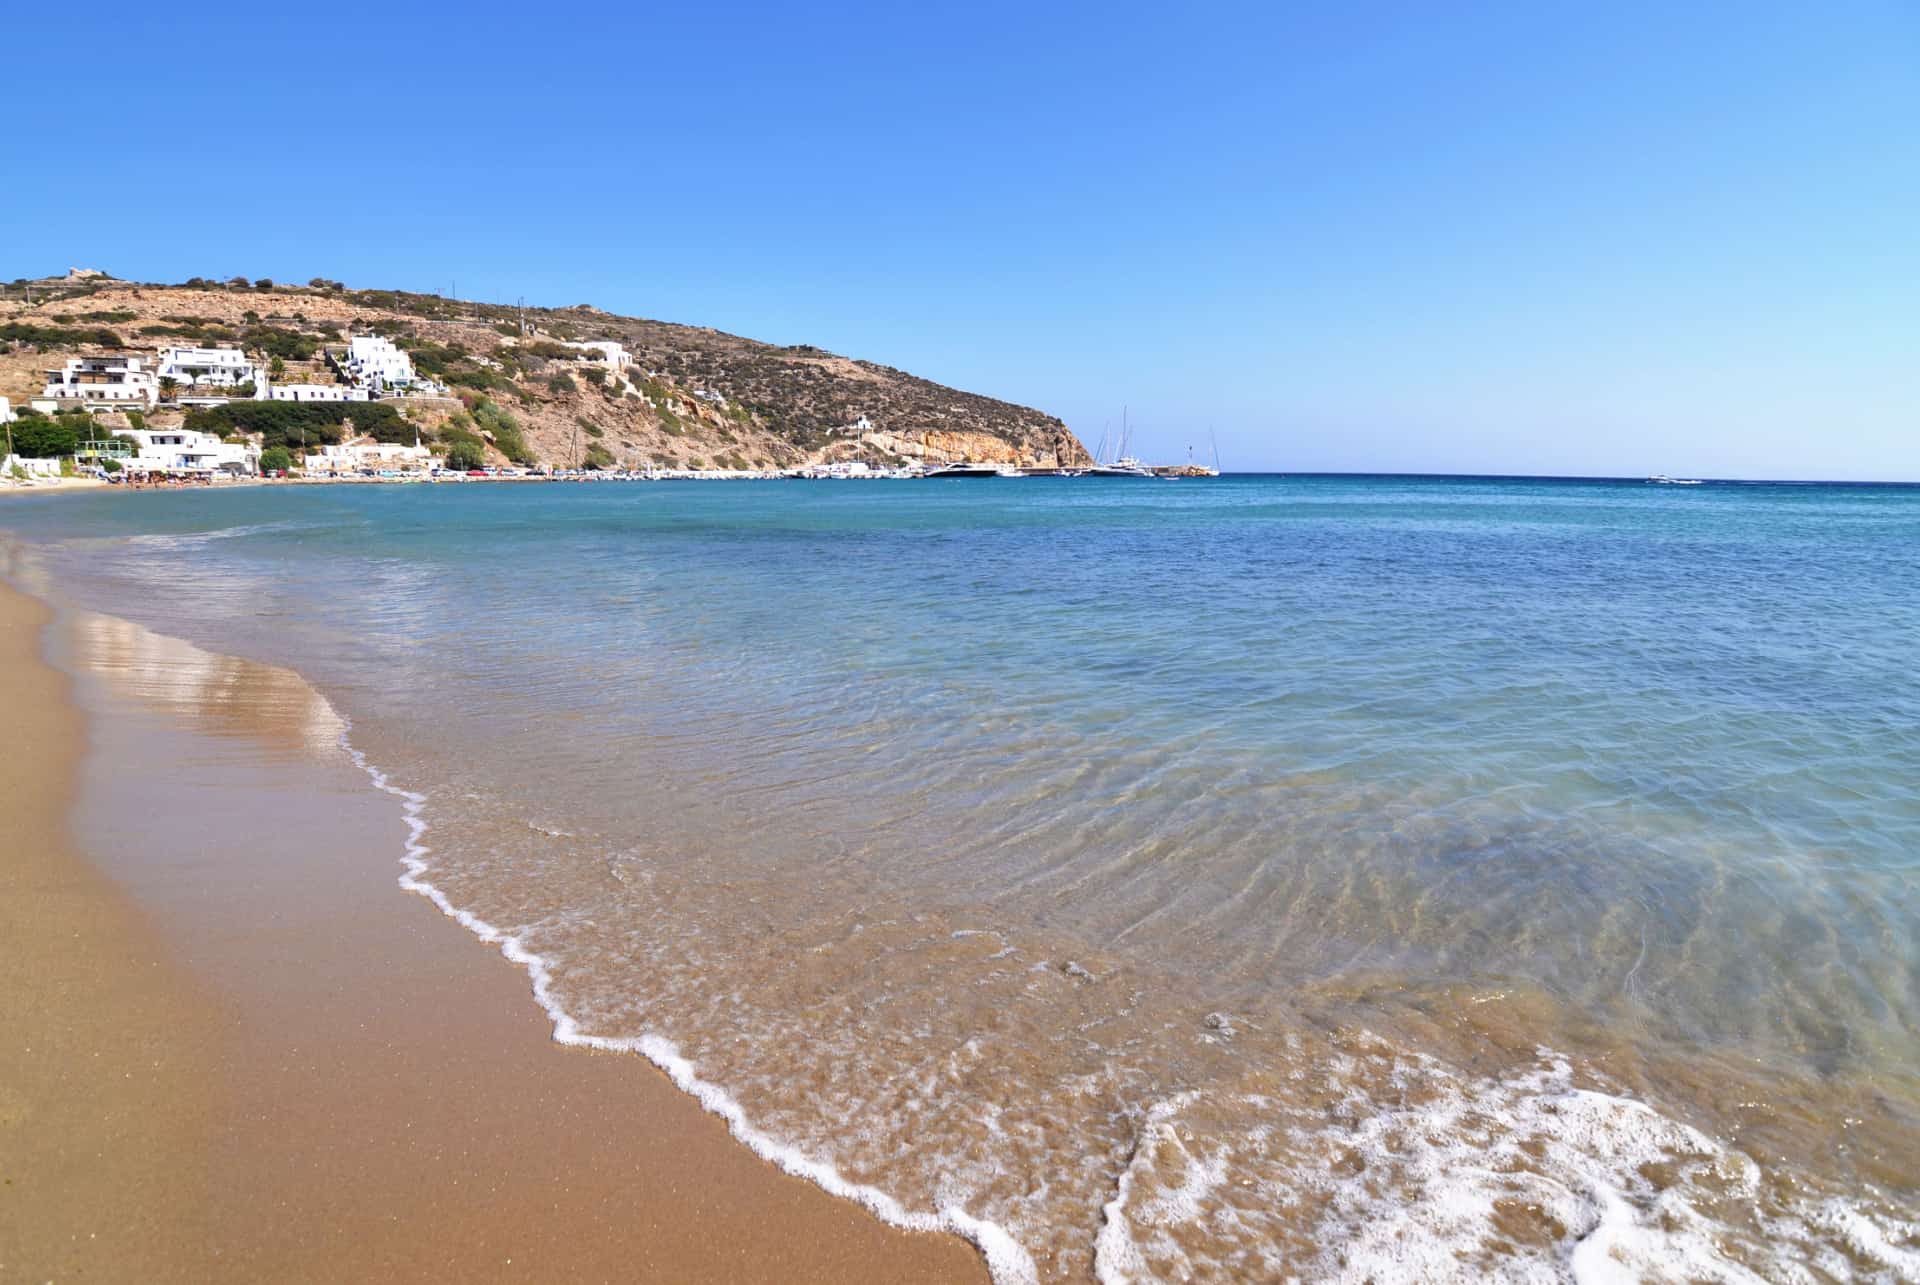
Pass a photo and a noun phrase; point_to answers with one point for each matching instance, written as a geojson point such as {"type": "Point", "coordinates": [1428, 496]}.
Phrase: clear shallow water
{"type": "Point", "coordinates": [1327, 877]}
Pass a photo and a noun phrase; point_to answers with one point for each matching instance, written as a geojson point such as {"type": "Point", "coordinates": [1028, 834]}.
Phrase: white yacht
{"type": "Point", "coordinates": [962, 469]}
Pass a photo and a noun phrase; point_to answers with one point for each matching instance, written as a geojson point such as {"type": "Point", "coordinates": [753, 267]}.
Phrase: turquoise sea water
{"type": "Point", "coordinates": [1180, 878]}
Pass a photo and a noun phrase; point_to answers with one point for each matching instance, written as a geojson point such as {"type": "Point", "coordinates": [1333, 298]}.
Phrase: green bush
{"type": "Point", "coordinates": [276, 457]}
{"type": "Point", "coordinates": [136, 420]}
{"type": "Point", "coordinates": [303, 423]}
{"type": "Point", "coordinates": [598, 457]}
{"type": "Point", "coordinates": [36, 437]}
{"type": "Point", "coordinates": [466, 454]}
{"type": "Point", "coordinates": [277, 341]}
{"type": "Point", "coordinates": [562, 384]}
{"type": "Point", "coordinates": [477, 377]}
{"type": "Point", "coordinates": [57, 336]}
{"type": "Point", "coordinates": [505, 430]}
{"type": "Point", "coordinates": [202, 332]}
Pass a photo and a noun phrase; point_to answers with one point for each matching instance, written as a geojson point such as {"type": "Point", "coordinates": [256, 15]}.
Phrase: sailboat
{"type": "Point", "coordinates": [1125, 465]}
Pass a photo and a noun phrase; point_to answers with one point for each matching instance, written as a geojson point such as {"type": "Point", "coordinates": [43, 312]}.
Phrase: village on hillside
{"type": "Point", "coordinates": [209, 380]}
{"type": "Point", "coordinates": [107, 397]}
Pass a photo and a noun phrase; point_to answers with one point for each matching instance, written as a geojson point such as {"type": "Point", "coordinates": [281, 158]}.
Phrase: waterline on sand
{"type": "Point", "coordinates": [1006, 1260]}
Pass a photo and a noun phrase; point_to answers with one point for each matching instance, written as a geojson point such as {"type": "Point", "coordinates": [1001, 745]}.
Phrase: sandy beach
{"type": "Point", "coordinates": [236, 1051]}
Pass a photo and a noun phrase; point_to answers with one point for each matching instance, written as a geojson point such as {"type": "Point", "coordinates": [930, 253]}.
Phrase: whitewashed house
{"type": "Point", "coordinates": [616, 358]}
{"type": "Point", "coordinates": [375, 363]}
{"type": "Point", "coordinates": [6, 411]}
{"type": "Point", "coordinates": [377, 456]}
{"type": "Point", "coordinates": [313, 393]}
{"type": "Point", "coordinates": [180, 450]}
{"type": "Point", "coordinates": [114, 381]}
{"type": "Point", "coordinates": [208, 367]}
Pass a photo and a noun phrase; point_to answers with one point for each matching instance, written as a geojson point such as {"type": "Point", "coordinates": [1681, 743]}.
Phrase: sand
{"type": "Point", "coordinates": [234, 1050]}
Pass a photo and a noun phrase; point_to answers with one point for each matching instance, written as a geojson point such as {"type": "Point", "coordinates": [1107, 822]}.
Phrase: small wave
{"type": "Point", "coordinates": [1420, 1173]}
{"type": "Point", "coordinates": [194, 539]}
{"type": "Point", "coordinates": [1007, 1261]}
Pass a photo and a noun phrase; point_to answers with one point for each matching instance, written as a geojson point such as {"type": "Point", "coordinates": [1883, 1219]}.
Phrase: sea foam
{"type": "Point", "coordinates": [1006, 1260]}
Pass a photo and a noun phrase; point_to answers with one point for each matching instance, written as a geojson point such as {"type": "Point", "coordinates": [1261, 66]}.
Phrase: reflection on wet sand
{"type": "Point", "coordinates": [224, 695]}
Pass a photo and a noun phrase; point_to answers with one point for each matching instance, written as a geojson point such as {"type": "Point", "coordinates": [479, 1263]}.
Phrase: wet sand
{"type": "Point", "coordinates": [234, 1050]}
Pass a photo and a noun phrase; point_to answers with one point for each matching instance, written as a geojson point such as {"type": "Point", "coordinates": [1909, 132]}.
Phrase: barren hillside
{"type": "Point", "coordinates": [692, 396]}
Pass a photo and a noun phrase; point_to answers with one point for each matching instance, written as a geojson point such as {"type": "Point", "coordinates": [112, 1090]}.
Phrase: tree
{"type": "Point", "coordinates": [465, 455]}
{"type": "Point", "coordinates": [36, 437]}
{"type": "Point", "coordinates": [277, 368]}
{"type": "Point", "coordinates": [135, 420]}
{"type": "Point", "coordinates": [167, 386]}
{"type": "Point", "coordinates": [275, 458]}
{"type": "Point", "coordinates": [264, 283]}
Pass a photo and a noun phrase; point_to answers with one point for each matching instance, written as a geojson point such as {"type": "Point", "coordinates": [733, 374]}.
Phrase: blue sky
{"type": "Point", "coordinates": [1518, 237]}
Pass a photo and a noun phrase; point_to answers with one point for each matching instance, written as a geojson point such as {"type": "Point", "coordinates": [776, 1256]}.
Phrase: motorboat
{"type": "Point", "coordinates": [963, 469]}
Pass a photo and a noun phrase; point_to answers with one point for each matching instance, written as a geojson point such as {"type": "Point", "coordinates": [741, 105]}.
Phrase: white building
{"type": "Point", "coordinates": [6, 411]}
{"type": "Point", "coordinates": [375, 363]}
{"type": "Point", "coordinates": [377, 456]}
{"type": "Point", "coordinates": [611, 353]}
{"type": "Point", "coordinates": [116, 381]}
{"type": "Point", "coordinates": [13, 467]}
{"type": "Point", "coordinates": [208, 367]}
{"type": "Point", "coordinates": [179, 450]}
{"type": "Point", "coordinates": [313, 393]}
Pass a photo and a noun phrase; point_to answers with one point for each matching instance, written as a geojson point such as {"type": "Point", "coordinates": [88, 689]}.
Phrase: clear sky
{"type": "Point", "coordinates": [1507, 237]}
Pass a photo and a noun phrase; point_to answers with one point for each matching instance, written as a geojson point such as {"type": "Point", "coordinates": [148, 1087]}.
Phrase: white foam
{"type": "Point", "coordinates": [1407, 1172]}
{"type": "Point", "coordinates": [1117, 1257]}
{"type": "Point", "coordinates": [1007, 1261]}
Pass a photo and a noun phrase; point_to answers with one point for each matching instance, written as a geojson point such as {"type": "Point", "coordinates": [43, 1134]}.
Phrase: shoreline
{"type": "Point", "coordinates": [335, 1084]}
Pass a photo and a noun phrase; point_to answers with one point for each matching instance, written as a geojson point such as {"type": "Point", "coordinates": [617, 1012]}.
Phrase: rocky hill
{"type": "Point", "coordinates": [692, 397]}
